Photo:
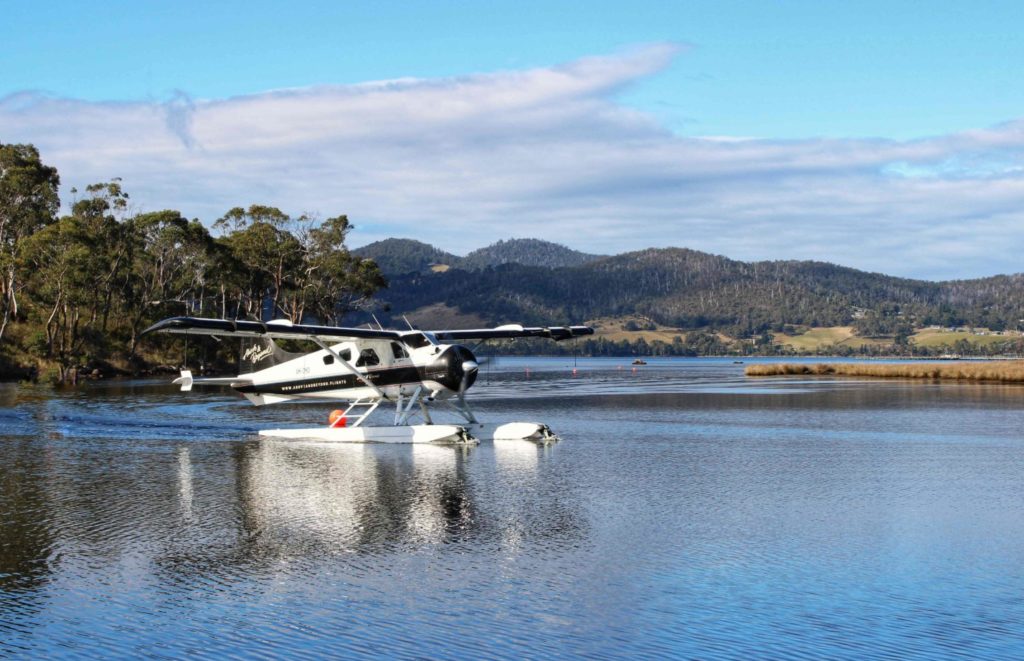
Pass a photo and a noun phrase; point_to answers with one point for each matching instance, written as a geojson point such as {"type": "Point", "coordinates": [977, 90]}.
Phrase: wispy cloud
{"type": "Point", "coordinates": [550, 153]}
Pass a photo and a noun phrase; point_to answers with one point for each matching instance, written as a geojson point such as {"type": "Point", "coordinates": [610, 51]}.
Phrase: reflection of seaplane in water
{"type": "Point", "coordinates": [415, 370]}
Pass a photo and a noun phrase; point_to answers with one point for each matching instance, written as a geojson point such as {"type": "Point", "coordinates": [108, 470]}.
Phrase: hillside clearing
{"type": "Point", "coordinates": [930, 337]}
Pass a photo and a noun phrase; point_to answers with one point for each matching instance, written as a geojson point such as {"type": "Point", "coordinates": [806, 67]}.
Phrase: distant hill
{"type": "Point", "coordinates": [402, 256]}
{"type": "Point", "coordinates": [399, 256]}
{"type": "Point", "coordinates": [528, 252]}
{"type": "Point", "coordinates": [688, 289]}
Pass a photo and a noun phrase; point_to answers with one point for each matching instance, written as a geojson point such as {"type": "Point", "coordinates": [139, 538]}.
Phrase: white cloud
{"type": "Point", "coordinates": [550, 153]}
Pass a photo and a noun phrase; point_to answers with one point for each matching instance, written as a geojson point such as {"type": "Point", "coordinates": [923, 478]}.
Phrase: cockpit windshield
{"type": "Point", "coordinates": [415, 340]}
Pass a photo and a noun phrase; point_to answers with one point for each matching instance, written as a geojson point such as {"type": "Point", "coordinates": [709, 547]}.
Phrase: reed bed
{"type": "Point", "coordinates": [1003, 371]}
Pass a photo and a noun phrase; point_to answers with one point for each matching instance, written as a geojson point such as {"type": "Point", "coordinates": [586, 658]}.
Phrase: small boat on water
{"type": "Point", "coordinates": [639, 361]}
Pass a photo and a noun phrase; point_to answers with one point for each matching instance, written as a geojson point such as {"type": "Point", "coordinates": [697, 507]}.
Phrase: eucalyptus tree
{"type": "Point", "coordinates": [331, 281]}
{"type": "Point", "coordinates": [172, 265]}
{"type": "Point", "coordinates": [101, 217]}
{"type": "Point", "coordinates": [78, 269]}
{"type": "Point", "coordinates": [52, 258]}
{"type": "Point", "coordinates": [259, 238]}
{"type": "Point", "coordinates": [301, 266]}
{"type": "Point", "coordinates": [28, 202]}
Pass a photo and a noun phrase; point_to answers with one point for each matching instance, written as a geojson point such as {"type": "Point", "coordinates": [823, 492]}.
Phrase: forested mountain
{"type": "Point", "coordinates": [687, 289]}
{"type": "Point", "coordinates": [528, 252]}
{"type": "Point", "coordinates": [399, 256]}
{"type": "Point", "coordinates": [403, 256]}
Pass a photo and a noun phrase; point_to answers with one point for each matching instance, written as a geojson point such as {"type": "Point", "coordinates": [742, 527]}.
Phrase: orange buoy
{"type": "Point", "coordinates": [337, 418]}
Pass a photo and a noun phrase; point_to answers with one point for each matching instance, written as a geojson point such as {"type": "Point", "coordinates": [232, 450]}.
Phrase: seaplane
{"type": "Point", "coordinates": [420, 372]}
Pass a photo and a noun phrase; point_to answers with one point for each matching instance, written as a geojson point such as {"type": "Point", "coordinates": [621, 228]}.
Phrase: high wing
{"type": "Point", "coordinates": [288, 331]}
{"type": "Point", "coordinates": [276, 329]}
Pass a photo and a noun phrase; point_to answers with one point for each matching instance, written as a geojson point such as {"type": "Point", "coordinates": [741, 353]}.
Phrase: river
{"type": "Point", "coordinates": [689, 511]}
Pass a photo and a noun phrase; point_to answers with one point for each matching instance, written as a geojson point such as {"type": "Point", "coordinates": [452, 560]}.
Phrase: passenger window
{"type": "Point", "coordinates": [367, 358]}
{"type": "Point", "coordinates": [398, 350]}
{"type": "Point", "coordinates": [346, 355]}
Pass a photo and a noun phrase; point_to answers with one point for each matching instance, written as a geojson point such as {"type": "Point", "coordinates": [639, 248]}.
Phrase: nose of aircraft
{"type": "Point", "coordinates": [460, 368]}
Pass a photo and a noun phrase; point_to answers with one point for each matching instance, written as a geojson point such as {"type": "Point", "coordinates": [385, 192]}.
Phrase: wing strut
{"type": "Point", "coordinates": [344, 363]}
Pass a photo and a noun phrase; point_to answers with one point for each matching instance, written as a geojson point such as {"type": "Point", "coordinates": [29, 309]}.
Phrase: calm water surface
{"type": "Point", "coordinates": [689, 512]}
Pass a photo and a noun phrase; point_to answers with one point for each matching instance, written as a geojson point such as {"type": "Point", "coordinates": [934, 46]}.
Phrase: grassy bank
{"type": "Point", "coordinates": [1004, 371]}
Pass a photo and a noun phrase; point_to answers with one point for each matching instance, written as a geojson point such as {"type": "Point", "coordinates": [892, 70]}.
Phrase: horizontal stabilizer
{"type": "Point", "coordinates": [185, 381]}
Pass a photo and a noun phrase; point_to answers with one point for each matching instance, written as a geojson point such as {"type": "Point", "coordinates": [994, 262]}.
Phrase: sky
{"type": "Point", "coordinates": [886, 136]}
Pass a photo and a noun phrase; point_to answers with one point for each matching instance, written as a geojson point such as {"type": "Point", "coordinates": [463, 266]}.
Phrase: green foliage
{"type": "Point", "coordinates": [92, 280]}
{"type": "Point", "coordinates": [28, 202]}
{"type": "Point", "coordinates": [332, 281]}
{"type": "Point", "coordinates": [403, 256]}
{"type": "Point", "coordinates": [406, 256]}
{"type": "Point", "coordinates": [691, 290]}
{"type": "Point", "coordinates": [527, 252]}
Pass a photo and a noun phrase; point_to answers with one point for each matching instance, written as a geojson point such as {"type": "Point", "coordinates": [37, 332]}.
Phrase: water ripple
{"type": "Point", "coordinates": [690, 513]}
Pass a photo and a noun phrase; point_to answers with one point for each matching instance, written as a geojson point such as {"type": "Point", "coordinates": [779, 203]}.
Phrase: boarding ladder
{"type": "Point", "coordinates": [370, 403]}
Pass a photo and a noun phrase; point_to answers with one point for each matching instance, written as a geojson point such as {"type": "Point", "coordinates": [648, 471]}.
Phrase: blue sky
{"type": "Point", "coordinates": [882, 128]}
{"type": "Point", "coordinates": [766, 69]}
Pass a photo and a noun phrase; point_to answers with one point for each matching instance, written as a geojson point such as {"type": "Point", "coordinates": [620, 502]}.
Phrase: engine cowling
{"type": "Point", "coordinates": [455, 368]}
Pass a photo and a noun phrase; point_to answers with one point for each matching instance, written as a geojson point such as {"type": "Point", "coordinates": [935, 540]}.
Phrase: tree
{"type": "Point", "coordinates": [53, 257]}
{"type": "Point", "coordinates": [260, 240]}
{"type": "Point", "coordinates": [172, 260]}
{"type": "Point", "coordinates": [107, 266]}
{"type": "Point", "coordinates": [28, 202]}
{"type": "Point", "coordinates": [901, 335]}
{"type": "Point", "coordinates": [78, 272]}
{"type": "Point", "coordinates": [332, 280]}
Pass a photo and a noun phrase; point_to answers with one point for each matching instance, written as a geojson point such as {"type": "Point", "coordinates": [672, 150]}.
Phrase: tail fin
{"type": "Point", "coordinates": [259, 353]}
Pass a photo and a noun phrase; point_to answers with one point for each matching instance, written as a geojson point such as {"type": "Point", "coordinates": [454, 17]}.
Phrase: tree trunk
{"type": "Point", "coordinates": [51, 328]}
{"type": "Point", "coordinates": [10, 300]}
{"type": "Point", "coordinates": [3, 324]}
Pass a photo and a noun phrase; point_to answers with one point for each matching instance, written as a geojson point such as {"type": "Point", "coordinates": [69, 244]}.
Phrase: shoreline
{"type": "Point", "coordinates": [1001, 369]}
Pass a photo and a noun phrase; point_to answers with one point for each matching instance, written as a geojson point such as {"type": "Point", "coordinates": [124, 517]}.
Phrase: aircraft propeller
{"type": "Point", "coordinates": [469, 369]}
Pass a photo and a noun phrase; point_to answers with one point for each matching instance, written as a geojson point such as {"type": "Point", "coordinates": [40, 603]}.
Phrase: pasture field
{"type": "Point", "coordinates": [930, 337]}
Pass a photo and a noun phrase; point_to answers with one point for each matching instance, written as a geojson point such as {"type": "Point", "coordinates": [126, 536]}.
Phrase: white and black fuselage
{"type": "Point", "coordinates": [387, 369]}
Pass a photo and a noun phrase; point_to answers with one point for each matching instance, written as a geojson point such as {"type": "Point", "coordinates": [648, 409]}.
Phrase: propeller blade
{"type": "Point", "coordinates": [468, 367]}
